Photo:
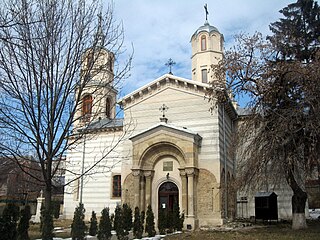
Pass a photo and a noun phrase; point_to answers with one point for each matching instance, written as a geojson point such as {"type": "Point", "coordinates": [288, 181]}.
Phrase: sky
{"type": "Point", "coordinates": [161, 29]}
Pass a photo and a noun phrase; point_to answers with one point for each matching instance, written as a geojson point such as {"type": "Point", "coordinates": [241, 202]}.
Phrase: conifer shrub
{"type": "Point", "coordinates": [137, 224]}
{"type": "Point", "coordinates": [127, 218]}
{"type": "Point", "coordinates": [46, 225]}
{"type": "Point", "coordinates": [170, 223]}
{"type": "Point", "coordinates": [8, 222]}
{"type": "Point", "coordinates": [150, 223]}
{"type": "Point", "coordinates": [118, 223]}
{"type": "Point", "coordinates": [78, 226]}
{"type": "Point", "coordinates": [143, 216]}
{"type": "Point", "coordinates": [162, 221]}
{"type": "Point", "coordinates": [177, 219]}
{"type": "Point", "coordinates": [93, 224]}
{"type": "Point", "coordinates": [55, 207]}
{"type": "Point", "coordinates": [105, 226]}
{"type": "Point", "coordinates": [23, 225]}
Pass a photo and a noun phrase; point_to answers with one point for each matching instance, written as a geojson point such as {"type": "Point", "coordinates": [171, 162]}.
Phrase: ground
{"type": "Point", "coordinates": [274, 231]}
{"type": "Point", "coordinates": [243, 231]}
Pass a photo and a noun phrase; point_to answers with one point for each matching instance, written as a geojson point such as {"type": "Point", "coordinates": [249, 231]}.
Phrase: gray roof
{"type": "Point", "coordinates": [206, 28]}
{"type": "Point", "coordinates": [243, 111]}
{"type": "Point", "coordinates": [264, 194]}
{"type": "Point", "coordinates": [105, 123]}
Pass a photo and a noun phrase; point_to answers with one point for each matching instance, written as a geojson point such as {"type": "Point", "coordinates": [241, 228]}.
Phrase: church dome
{"type": "Point", "coordinates": [205, 28]}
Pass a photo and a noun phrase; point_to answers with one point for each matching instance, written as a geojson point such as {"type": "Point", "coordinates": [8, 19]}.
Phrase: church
{"type": "Point", "coordinates": [168, 148]}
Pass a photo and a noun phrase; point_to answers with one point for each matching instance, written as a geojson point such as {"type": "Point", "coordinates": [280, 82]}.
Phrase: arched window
{"type": "Point", "coordinates": [203, 43]}
{"type": "Point", "coordinates": [89, 59]}
{"type": "Point", "coordinates": [108, 108]}
{"type": "Point", "coordinates": [86, 107]}
{"type": "Point", "coordinates": [110, 60]}
{"type": "Point", "coordinates": [116, 186]}
{"type": "Point", "coordinates": [204, 75]}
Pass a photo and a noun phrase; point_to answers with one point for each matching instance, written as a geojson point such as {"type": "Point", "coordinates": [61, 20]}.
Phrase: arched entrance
{"type": "Point", "coordinates": [168, 196]}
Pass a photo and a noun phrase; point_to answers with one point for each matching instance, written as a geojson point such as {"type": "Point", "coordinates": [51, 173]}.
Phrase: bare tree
{"type": "Point", "coordinates": [44, 71]}
{"type": "Point", "coordinates": [279, 138]}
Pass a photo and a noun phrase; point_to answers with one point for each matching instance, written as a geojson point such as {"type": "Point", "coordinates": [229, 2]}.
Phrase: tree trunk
{"type": "Point", "coordinates": [299, 199]}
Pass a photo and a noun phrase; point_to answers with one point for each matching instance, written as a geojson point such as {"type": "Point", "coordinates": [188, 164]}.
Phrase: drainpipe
{"type": "Point", "coordinates": [82, 167]}
{"type": "Point", "coordinates": [225, 162]}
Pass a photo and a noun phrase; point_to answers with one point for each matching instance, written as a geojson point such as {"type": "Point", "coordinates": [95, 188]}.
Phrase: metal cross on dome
{"type": "Point", "coordinates": [169, 64]}
{"type": "Point", "coordinates": [206, 11]}
{"type": "Point", "coordinates": [163, 109]}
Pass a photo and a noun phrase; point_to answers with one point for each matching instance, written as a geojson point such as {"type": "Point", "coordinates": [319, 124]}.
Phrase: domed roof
{"type": "Point", "coordinates": [206, 28]}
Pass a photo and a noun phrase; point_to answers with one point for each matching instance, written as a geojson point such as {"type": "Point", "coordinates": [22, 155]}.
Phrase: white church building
{"type": "Point", "coordinates": [167, 149]}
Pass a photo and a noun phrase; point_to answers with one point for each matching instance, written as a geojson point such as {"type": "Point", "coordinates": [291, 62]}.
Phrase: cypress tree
{"type": "Point", "coordinates": [93, 224]}
{"type": "Point", "coordinates": [143, 216]}
{"type": "Point", "coordinates": [177, 219]}
{"type": "Point", "coordinates": [23, 225]}
{"type": "Point", "coordinates": [137, 224]}
{"type": "Point", "coordinates": [150, 222]}
{"type": "Point", "coordinates": [9, 220]}
{"type": "Point", "coordinates": [104, 232]}
{"type": "Point", "coordinates": [46, 225]}
{"type": "Point", "coordinates": [118, 223]}
{"type": "Point", "coordinates": [162, 221]}
{"type": "Point", "coordinates": [78, 226]}
{"type": "Point", "coordinates": [127, 218]}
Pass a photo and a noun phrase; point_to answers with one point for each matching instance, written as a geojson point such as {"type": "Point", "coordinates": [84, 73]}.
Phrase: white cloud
{"type": "Point", "coordinates": [161, 29]}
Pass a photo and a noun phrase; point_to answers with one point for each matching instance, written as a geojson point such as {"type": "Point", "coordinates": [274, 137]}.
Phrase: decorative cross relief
{"type": "Point", "coordinates": [163, 109]}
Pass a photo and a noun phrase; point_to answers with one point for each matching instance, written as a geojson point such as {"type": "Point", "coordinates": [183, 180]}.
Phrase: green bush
{"type": "Point", "coordinates": [55, 207]}
{"type": "Point", "coordinates": [118, 223]}
{"type": "Point", "coordinates": [104, 232]}
{"type": "Point", "coordinates": [78, 226]}
{"type": "Point", "coordinates": [150, 223]}
{"type": "Point", "coordinates": [93, 224]}
{"type": "Point", "coordinates": [177, 219]}
{"type": "Point", "coordinates": [127, 218]}
{"type": "Point", "coordinates": [46, 225]}
{"type": "Point", "coordinates": [137, 224]}
{"type": "Point", "coordinates": [23, 225]}
{"type": "Point", "coordinates": [162, 221]}
{"type": "Point", "coordinates": [8, 222]}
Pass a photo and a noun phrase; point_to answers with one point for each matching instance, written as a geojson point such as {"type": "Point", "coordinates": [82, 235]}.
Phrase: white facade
{"type": "Point", "coordinates": [181, 155]}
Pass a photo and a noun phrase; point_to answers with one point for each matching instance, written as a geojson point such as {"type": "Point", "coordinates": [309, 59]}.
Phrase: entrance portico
{"type": "Point", "coordinates": [166, 157]}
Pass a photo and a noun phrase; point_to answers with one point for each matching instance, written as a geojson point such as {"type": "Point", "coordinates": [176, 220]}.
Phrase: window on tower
{"type": "Point", "coordinates": [116, 186]}
{"type": "Point", "coordinates": [204, 75]}
{"type": "Point", "coordinates": [203, 43]}
{"type": "Point", "coordinates": [108, 108]}
{"type": "Point", "coordinates": [86, 107]}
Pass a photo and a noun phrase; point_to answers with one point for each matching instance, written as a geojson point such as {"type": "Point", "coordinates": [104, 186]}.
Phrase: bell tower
{"type": "Point", "coordinates": [207, 50]}
{"type": "Point", "coordinates": [98, 97]}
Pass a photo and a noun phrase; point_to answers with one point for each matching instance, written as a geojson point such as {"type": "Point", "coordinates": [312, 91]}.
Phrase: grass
{"type": "Point", "coordinates": [264, 232]}
{"type": "Point", "coordinates": [34, 230]}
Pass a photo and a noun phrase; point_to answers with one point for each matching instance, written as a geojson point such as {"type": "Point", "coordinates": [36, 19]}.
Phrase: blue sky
{"type": "Point", "coordinates": [161, 29]}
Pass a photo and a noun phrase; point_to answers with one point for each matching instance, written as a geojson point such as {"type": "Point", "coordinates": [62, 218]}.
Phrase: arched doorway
{"type": "Point", "coordinates": [168, 196]}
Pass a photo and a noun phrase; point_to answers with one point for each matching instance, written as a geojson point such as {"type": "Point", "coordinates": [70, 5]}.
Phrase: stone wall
{"type": "Point", "coordinates": [208, 199]}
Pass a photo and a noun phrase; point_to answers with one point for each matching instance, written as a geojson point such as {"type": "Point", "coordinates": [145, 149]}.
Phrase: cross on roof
{"type": "Point", "coordinates": [169, 64]}
{"type": "Point", "coordinates": [163, 109]}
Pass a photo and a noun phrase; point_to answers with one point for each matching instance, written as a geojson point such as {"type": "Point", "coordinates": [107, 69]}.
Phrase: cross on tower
{"type": "Point", "coordinates": [163, 109]}
{"type": "Point", "coordinates": [169, 64]}
{"type": "Point", "coordinates": [206, 11]}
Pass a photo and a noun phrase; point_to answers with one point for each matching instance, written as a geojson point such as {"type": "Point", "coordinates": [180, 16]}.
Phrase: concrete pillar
{"type": "Point", "coordinates": [148, 175]}
{"type": "Point", "coordinates": [142, 193]}
{"type": "Point", "coordinates": [190, 176]}
{"type": "Point", "coordinates": [184, 193]}
{"type": "Point", "coordinates": [136, 186]}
